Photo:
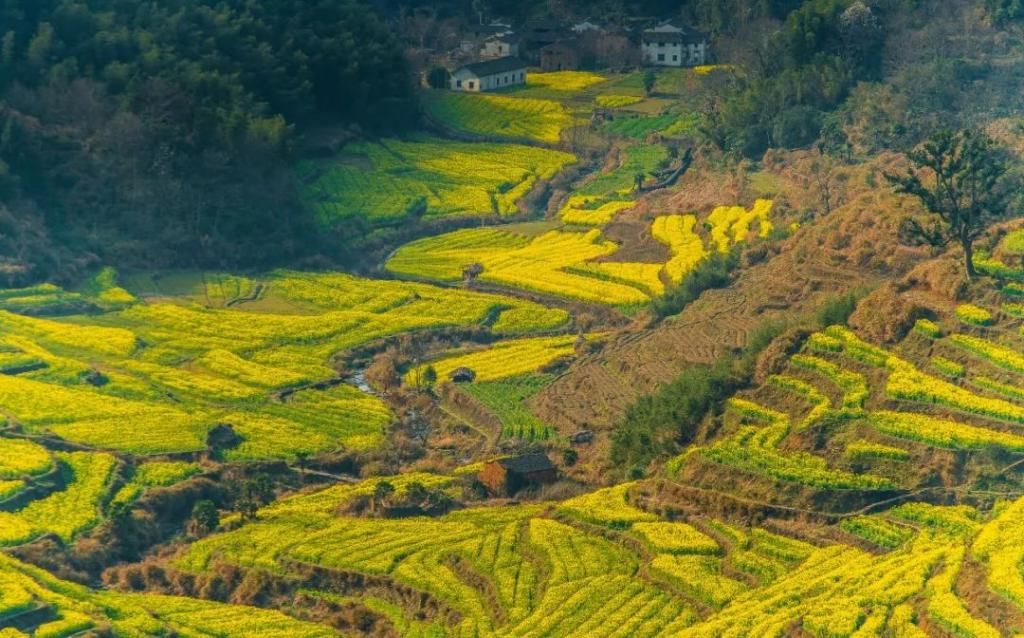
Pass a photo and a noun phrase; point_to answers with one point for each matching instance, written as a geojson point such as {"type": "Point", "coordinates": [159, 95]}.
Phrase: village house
{"type": "Point", "coordinates": [475, 35]}
{"type": "Point", "coordinates": [505, 477]}
{"type": "Point", "coordinates": [489, 75]}
{"type": "Point", "coordinates": [539, 34]}
{"type": "Point", "coordinates": [560, 56]}
{"type": "Point", "coordinates": [500, 46]}
{"type": "Point", "coordinates": [671, 45]}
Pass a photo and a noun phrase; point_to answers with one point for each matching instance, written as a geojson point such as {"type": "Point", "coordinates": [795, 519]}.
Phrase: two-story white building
{"type": "Point", "coordinates": [489, 75]}
{"type": "Point", "coordinates": [671, 45]}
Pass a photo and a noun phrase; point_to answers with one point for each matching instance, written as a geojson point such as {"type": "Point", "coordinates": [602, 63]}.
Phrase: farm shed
{"type": "Point", "coordinates": [490, 75]}
{"type": "Point", "coordinates": [559, 56]}
{"type": "Point", "coordinates": [507, 476]}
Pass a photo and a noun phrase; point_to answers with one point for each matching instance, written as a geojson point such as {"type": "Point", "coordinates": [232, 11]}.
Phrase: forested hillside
{"type": "Point", "coordinates": [162, 133]}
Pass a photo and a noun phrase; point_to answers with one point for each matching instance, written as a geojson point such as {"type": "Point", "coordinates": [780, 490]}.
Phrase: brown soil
{"type": "Point", "coordinates": [637, 244]}
{"type": "Point", "coordinates": [982, 602]}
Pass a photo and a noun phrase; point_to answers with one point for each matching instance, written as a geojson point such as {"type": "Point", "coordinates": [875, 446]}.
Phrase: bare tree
{"type": "Point", "coordinates": [960, 179]}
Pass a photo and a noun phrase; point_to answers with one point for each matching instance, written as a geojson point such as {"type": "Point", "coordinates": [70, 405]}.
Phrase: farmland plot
{"type": "Point", "coordinates": [507, 400]}
{"type": "Point", "coordinates": [540, 264]}
{"type": "Point", "coordinates": [154, 378]}
{"type": "Point", "coordinates": [77, 609]}
{"type": "Point", "coordinates": [567, 81]}
{"type": "Point", "coordinates": [504, 359]}
{"type": "Point", "coordinates": [500, 115]}
{"type": "Point", "coordinates": [571, 264]}
{"type": "Point", "coordinates": [392, 179]}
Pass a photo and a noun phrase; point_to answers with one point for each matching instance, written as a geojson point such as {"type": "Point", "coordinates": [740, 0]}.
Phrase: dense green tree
{"type": "Point", "coordinates": [804, 71]}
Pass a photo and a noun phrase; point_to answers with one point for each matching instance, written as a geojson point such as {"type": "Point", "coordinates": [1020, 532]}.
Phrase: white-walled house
{"type": "Point", "coordinates": [489, 75]}
{"type": "Point", "coordinates": [585, 26]}
{"type": "Point", "coordinates": [500, 46]}
{"type": "Point", "coordinates": [671, 45]}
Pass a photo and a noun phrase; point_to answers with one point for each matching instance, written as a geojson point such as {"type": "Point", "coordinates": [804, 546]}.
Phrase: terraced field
{"type": "Point", "coordinates": [392, 180]}
{"type": "Point", "coordinates": [506, 399]}
{"type": "Point", "coordinates": [819, 262]}
{"type": "Point", "coordinates": [504, 359]}
{"type": "Point", "coordinates": [574, 265]}
{"type": "Point", "coordinates": [864, 481]}
{"type": "Point", "coordinates": [154, 378]}
{"type": "Point", "coordinates": [500, 115]}
{"type": "Point", "coordinates": [600, 564]}
{"type": "Point", "coordinates": [62, 608]}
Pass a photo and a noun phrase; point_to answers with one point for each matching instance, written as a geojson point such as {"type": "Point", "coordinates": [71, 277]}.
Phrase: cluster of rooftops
{"type": "Point", "coordinates": [505, 52]}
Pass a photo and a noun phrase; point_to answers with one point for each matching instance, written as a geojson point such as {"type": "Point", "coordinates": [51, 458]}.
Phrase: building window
{"type": "Point", "coordinates": [458, 84]}
{"type": "Point", "coordinates": [472, 84]}
{"type": "Point", "coordinates": [675, 58]}
{"type": "Point", "coordinates": [661, 57]}
{"type": "Point", "coordinates": [661, 44]}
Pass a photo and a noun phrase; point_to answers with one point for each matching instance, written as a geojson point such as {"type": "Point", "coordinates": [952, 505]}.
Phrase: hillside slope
{"type": "Point", "coordinates": [850, 249]}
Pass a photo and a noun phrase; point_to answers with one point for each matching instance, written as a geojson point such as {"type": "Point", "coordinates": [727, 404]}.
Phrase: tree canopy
{"type": "Point", "coordinates": [162, 132]}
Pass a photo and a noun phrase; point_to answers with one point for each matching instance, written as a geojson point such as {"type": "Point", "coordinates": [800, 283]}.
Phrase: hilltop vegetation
{"type": "Point", "coordinates": [164, 134]}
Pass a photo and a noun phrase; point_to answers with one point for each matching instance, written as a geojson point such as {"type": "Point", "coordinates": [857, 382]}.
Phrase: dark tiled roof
{"type": "Point", "coordinates": [565, 45]}
{"type": "Point", "coordinates": [542, 37]}
{"type": "Point", "coordinates": [544, 25]}
{"type": "Point", "coordinates": [490, 67]}
{"type": "Point", "coordinates": [511, 38]}
{"type": "Point", "coordinates": [483, 29]}
{"type": "Point", "coordinates": [527, 463]}
{"type": "Point", "coordinates": [686, 37]}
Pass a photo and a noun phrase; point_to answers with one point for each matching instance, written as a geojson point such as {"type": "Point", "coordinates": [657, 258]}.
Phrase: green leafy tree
{"type": "Point", "coordinates": [960, 178]}
{"type": "Point", "coordinates": [429, 378]}
{"type": "Point", "coordinates": [650, 79]}
{"type": "Point", "coordinates": [382, 493]}
{"type": "Point", "coordinates": [569, 457]}
{"type": "Point", "coordinates": [302, 461]}
{"type": "Point", "coordinates": [204, 519]}
{"type": "Point", "coordinates": [438, 78]}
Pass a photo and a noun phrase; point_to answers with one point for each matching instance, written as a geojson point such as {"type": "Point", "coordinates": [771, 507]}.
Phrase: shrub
{"type": "Point", "coordinates": [836, 310]}
{"type": "Point", "coordinates": [713, 272]}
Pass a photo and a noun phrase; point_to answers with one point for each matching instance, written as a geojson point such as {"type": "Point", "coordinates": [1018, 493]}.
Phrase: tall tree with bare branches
{"type": "Point", "coordinates": [960, 177]}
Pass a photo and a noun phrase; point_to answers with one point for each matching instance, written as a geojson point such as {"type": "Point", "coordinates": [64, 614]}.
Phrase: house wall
{"type": "Point", "coordinates": [674, 54]}
{"type": "Point", "coordinates": [663, 54]}
{"type": "Point", "coordinates": [494, 477]}
{"type": "Point", "coordinates": [559, 60]}
{"type": "Point", "coordinates": [471, 83]}
{"type": "Point", "coordinates": [465, 82]}
{"type": "Point", "coordinates": [498, 49]}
